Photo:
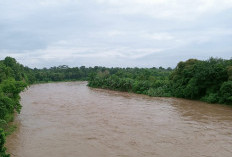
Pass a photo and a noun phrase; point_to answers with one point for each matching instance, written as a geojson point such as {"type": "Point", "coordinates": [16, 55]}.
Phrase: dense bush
{"type": "Point", "coordinates": [2, 141]}
{"type": "Point", "coordinates": [153, 81]}
{"type": "Point", "coordinates": [226, 93]}
{"type": "Point", "coordinates": [203, 80]}
{"type": "Point", "coordinates": [208, 80]}
{"type": "Point", "coordinates": [13, 80]}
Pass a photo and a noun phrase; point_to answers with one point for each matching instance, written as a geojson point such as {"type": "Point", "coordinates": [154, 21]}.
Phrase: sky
{"type": "Point", "coordinates": [114, 33]}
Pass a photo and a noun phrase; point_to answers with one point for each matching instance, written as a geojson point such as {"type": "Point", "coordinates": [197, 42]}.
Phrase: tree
{"type": "Point", "coordinates": [226, 92]}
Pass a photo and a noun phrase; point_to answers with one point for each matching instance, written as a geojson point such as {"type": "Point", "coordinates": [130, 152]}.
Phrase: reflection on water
{"type": "Point", "coordinates": [70, 119]}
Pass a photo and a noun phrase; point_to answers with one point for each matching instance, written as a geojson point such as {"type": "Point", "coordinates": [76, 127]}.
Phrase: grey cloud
{"type": "Point", "coordinates": [98, 32]}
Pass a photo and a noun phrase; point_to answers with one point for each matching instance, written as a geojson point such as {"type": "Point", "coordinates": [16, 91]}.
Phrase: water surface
{"type": "Point", "coordinates": [70, 119]}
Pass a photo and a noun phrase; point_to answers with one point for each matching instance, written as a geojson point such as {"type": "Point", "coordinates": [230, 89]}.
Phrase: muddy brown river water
{"type": "Point", "coordinates": [72, 120]}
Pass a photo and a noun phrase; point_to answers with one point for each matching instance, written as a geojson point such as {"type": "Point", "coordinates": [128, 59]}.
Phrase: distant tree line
{"type": "Point", "coordinates": [209, 80]}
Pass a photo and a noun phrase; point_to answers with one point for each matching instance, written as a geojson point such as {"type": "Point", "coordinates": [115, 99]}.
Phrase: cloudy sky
{"type": "Point", "coordinates": [125, 33]}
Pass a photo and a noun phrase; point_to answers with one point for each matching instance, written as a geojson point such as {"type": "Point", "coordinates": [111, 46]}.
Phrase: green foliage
{"type": "Point", "coordinates": [226, 92]}
{"type": "Point", "coordinates": [13, 80]}
{"type": "Point", "coordinates": [2, 141]}
{"type": "Point", "coordinates": [202, 80]}
{"type": "Point", "coordinates": [60, 73]}
{"type": "Point", "coordinates": [211, 98]}
{"type": "Point", "coordinates": [208, 80]}
{"type": "Point", "coordinates": [229, 72]}
{"type": "Point", "coordinates": [153, 81]}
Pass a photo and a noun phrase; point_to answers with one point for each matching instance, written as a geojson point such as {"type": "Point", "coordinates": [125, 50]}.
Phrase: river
{"type": "Point", "coordinates": [73, 120]}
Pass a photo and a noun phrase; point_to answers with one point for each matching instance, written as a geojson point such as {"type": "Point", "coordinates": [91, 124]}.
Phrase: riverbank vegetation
{"type": "Point", "coordinates": [153, 81]}
{"type": "Point", "coordinates": [13, 80]}
{"type": "Point", "coordinates": [209, 80]}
